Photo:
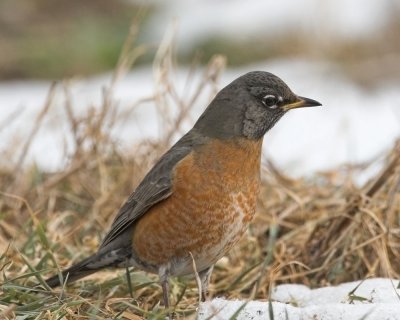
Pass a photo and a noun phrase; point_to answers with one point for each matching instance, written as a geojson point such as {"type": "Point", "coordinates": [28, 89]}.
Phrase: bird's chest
{"type": "Point", "coordinates": [227, 202]}
{"type": "Point", "coordinates": [219, 185]}
{"type": "Point", "coordinates": [220, 198]}
{"type": "Point", "coordinates": [213, 200]}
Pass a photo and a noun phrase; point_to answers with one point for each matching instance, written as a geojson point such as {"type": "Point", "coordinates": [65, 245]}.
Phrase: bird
{"type": "Point", "coordinates": [199, 198]}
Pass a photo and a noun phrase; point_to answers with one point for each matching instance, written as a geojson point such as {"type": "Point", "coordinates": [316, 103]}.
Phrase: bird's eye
{"type": "Point", "coordinates": [270, 101]}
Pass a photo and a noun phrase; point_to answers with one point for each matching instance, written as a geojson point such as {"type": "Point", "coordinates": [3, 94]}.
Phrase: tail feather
{"type": "Point", "coordinates": [75, 272]}
{"type": "Point", "coordinates": [100, 260]}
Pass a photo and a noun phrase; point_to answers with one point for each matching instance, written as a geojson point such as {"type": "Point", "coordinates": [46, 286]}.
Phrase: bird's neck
{"type": "Point", "coordinates": [239, 155]}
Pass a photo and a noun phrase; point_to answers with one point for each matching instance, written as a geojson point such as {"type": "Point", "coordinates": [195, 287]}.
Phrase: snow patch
{"type": "Point", "coordinates": [371, 299]}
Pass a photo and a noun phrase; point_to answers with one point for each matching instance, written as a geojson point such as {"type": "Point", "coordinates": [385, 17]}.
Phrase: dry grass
{"type": "Point", "coordinates": [317, 231]}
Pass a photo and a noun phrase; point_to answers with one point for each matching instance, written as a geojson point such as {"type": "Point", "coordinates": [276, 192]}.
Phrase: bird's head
{"type": "Point", "coordinates": [249, 106]}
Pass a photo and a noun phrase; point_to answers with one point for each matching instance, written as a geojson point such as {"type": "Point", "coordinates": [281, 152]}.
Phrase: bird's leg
{"type": "Point", "coordinates": [164, 274]}
{"type": "Point", "coordinates": [205, 277]}
{"type": "Point", "coordinates": [165, 289]}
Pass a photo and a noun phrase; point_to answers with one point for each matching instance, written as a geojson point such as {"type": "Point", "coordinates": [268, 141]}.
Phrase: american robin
{"type": "Point", "coordinates": [198, 199]}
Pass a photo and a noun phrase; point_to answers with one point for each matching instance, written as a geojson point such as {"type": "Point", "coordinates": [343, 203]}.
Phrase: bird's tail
{"type": "Point", "coordinates": [78, 271]}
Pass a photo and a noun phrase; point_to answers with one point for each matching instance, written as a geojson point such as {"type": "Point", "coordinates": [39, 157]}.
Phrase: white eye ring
{"type": "Point", "coordinates": [270, 101]}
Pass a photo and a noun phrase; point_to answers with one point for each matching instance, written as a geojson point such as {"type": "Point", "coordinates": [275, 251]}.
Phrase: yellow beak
{"type": "Point", "coordinates": [302, 102]}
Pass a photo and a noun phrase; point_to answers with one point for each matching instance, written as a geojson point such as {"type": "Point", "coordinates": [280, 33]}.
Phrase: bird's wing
{"type": "Point", "coordinates": [155, 187]}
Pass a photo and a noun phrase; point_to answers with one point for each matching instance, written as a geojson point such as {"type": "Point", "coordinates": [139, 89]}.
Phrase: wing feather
{"type": "Point", "coordinates": [155, 187]}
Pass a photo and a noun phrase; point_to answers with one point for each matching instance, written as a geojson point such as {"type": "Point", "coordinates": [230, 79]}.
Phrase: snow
{"type": "Point", "coordinates": [353, 125]}
{"type": "Point", "coordinates": [372, 299]}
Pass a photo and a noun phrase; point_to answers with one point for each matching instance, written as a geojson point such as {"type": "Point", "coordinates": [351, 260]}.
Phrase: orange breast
{"type": "Point", "coordinates": [214, 197]}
